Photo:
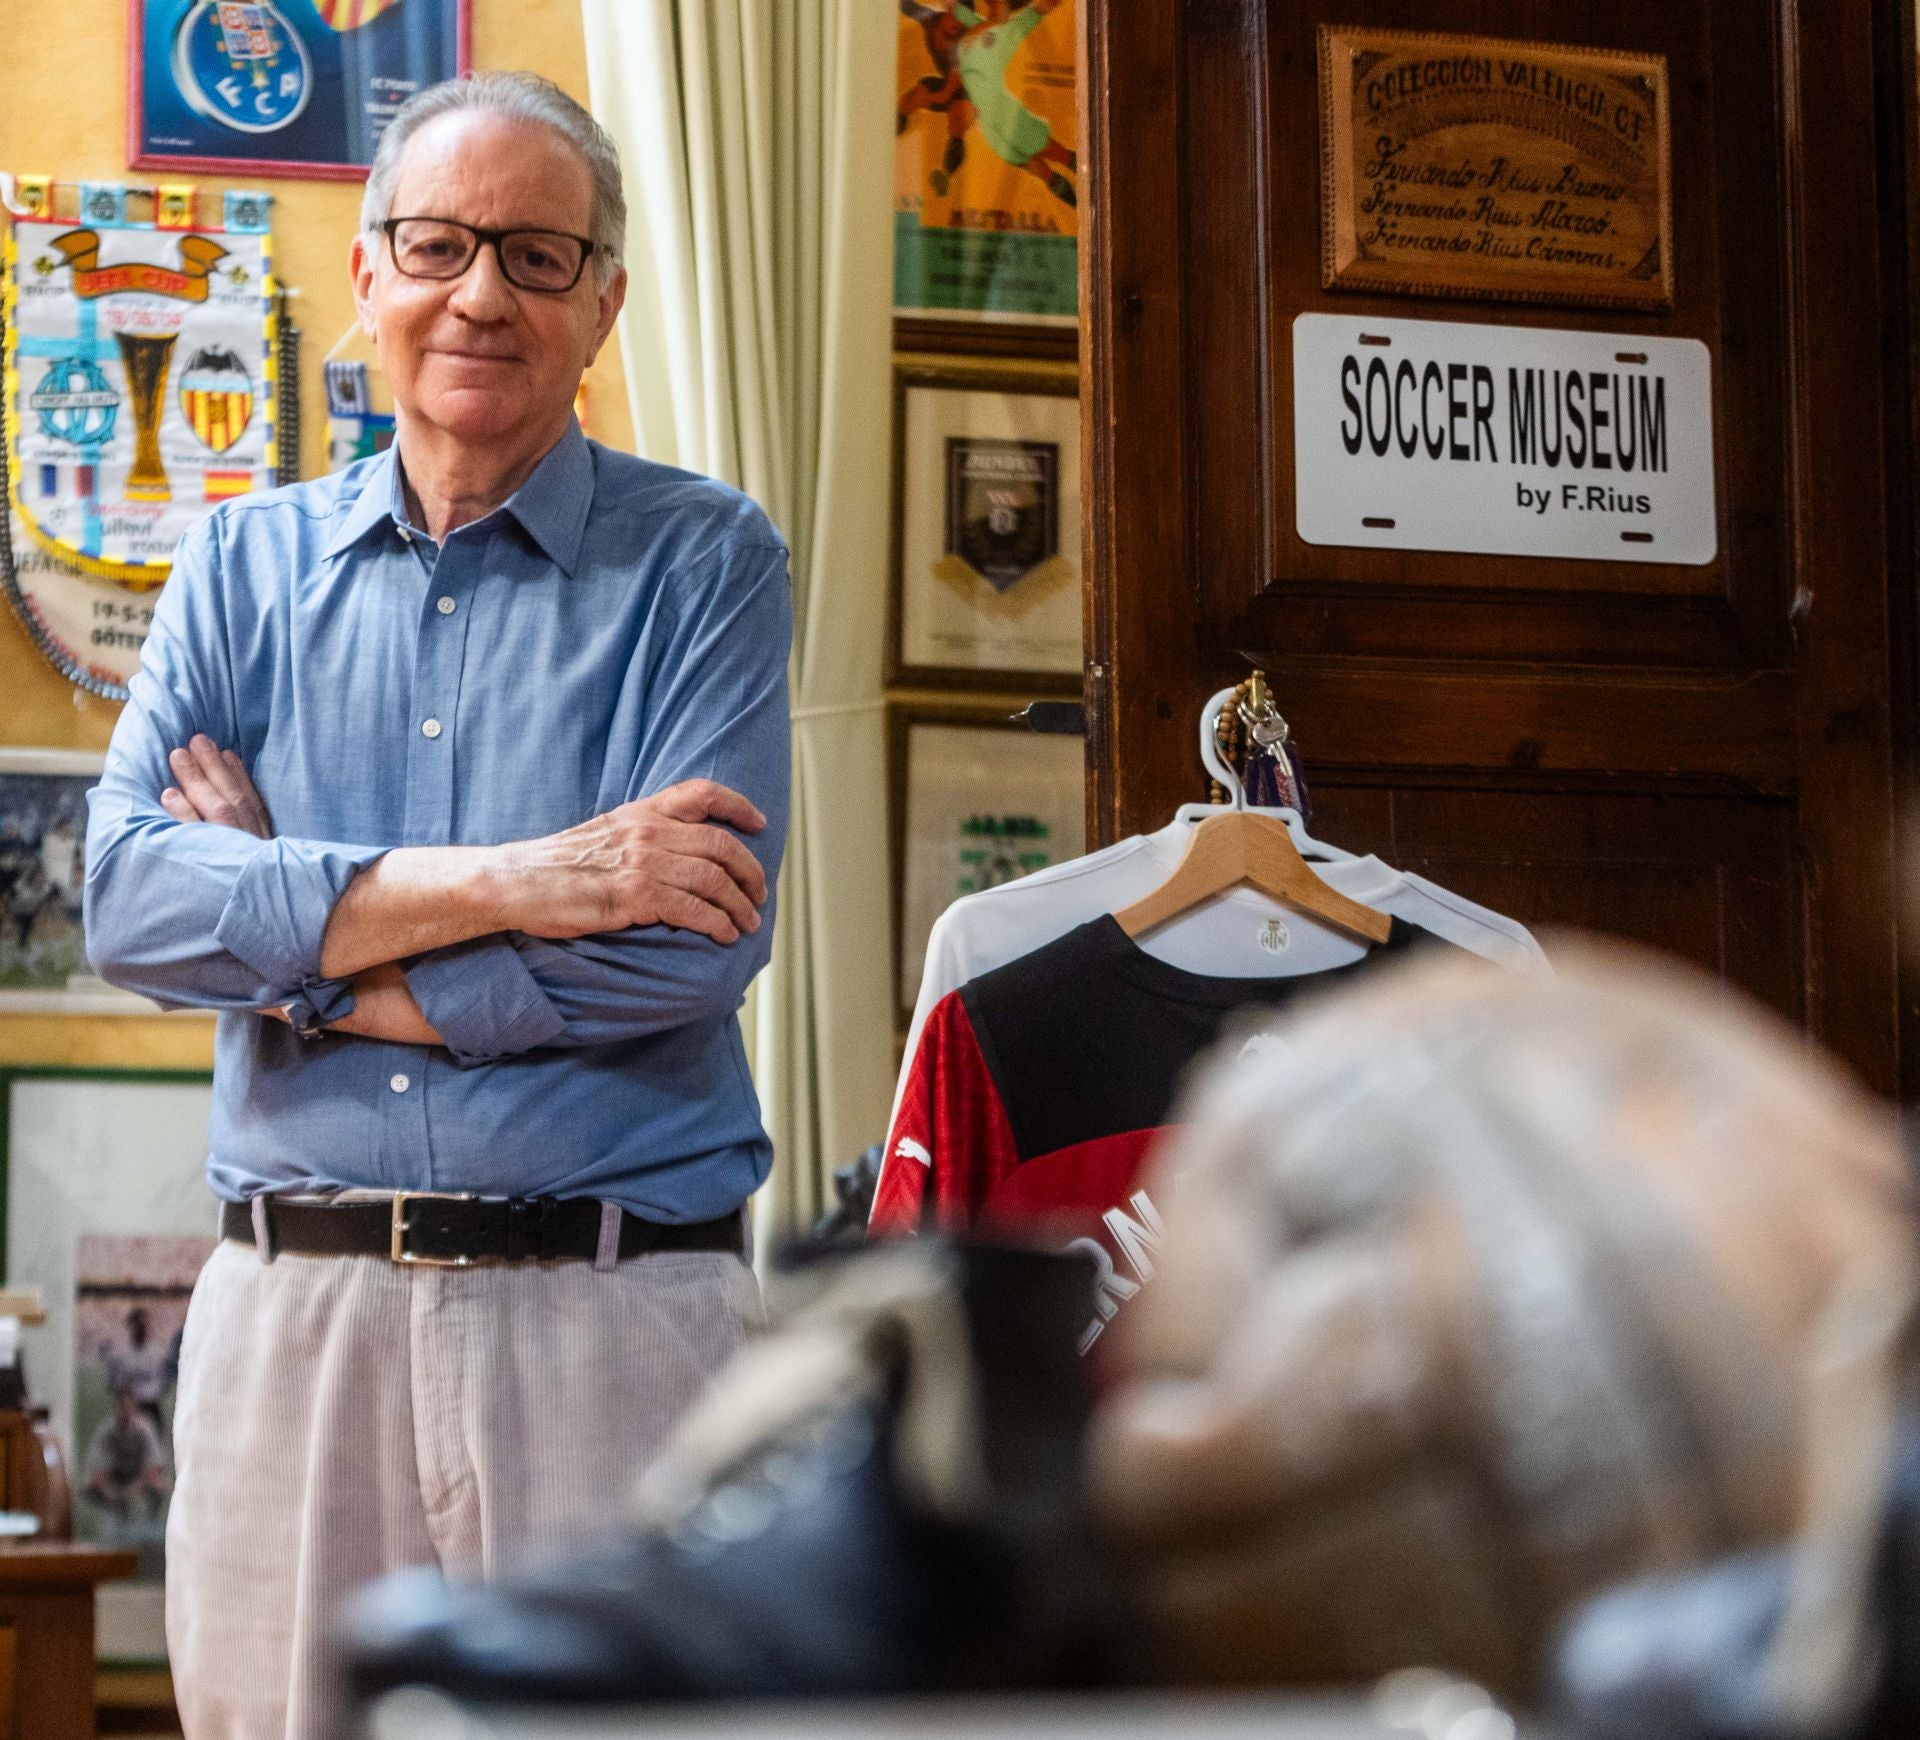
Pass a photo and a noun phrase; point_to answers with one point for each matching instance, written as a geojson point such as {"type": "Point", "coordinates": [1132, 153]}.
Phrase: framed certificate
{"type": "Point", "coordinates": [986, 528]}
{"type": "Point", "coordinates": [977, 800]}
{"type": "Point", "coordinates": [300, 88]}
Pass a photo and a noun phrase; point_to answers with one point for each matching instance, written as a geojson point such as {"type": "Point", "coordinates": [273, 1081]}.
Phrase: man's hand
{"type": "Point", "coordinates": [658, 860]}
{"type": "Point", "coordinates": [664, 859]}
{"type": "Point", "coordinates": [214, 787]}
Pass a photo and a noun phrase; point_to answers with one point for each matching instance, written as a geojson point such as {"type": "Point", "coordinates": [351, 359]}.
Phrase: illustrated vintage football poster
{"type": "Point", "coordinates": [986, 172]}
{"type": "Point", "coordinates": [139, 395]}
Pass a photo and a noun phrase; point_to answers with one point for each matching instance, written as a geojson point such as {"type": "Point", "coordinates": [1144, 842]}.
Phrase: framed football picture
{"type": "Point", "coordinates": [977, 799]}
{"type": "Point", "coordinates": [43, 830]}
{"type": "Point", "coordinates": [986, 527]}
{"type": "Point", "coordinates": [300, 88]}
{"type": "Point", "coordinates": [104, 1208]}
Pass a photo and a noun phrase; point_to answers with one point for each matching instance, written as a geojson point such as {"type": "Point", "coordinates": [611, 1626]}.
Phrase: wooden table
{"type": "Point", "coordinates": [46, 1636]}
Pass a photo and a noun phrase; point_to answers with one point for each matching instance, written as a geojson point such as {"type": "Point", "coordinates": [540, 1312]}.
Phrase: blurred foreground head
{"type": "Point", "coordinates": [1485, 1292]}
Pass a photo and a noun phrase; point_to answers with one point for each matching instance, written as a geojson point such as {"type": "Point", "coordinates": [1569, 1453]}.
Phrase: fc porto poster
{"type": "Point", "coordinates": [986, 166]}
{"type": "Point", "coordinates": [295, 87]}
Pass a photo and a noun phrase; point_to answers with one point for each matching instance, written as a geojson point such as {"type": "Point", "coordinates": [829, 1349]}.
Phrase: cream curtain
{"type": "Point", "coordinates": [756, 137]}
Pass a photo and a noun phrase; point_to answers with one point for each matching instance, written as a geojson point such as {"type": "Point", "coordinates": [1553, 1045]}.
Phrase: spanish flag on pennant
{"type": "Point", "coordinates": [350, 14]}
{"type": "Point", "coordinates": [224, 485]}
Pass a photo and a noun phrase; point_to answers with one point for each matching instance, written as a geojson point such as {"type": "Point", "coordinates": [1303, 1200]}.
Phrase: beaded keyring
{"type": "Point", "coordinates": [1254, 740]}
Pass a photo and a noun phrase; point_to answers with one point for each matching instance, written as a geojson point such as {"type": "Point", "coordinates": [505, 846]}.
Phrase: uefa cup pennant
{"type": "Point", "coordinates": [139, 388]}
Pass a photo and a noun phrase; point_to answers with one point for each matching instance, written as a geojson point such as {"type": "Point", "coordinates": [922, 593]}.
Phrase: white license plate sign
{"type": "Point", "coordinates": [1502, 440]}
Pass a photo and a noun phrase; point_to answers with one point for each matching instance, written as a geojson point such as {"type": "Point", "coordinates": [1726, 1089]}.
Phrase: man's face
{"type": "Point", "coordinates": [475, 356]}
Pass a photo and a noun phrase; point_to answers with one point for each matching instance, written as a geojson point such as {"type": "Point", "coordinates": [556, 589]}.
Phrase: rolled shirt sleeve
{"type": "Point", "coordinates": [275, 920]}
{"type": "Point", "coordinates": [721, 688]}
{"type": "Point", "coordinates": [483, 1001]}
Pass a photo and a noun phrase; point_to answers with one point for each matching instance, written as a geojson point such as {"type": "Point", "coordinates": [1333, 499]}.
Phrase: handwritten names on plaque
{"type": "Point", "coordinates": [1472, 166]}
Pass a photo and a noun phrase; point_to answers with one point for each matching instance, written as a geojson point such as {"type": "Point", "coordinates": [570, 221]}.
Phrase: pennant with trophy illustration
{"type": "Point", "coordinates": [140, 393]}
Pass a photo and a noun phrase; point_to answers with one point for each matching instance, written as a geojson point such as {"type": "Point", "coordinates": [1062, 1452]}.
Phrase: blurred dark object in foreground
{"type": "Point", "coordinates": [880, 1498]}
{"type": "Point", "coordinates": [1720, 1654]}
{"type": "Point", "coordinates": [853, 1187]}
{"type": "Point", "coordinates": [1474, 1299]}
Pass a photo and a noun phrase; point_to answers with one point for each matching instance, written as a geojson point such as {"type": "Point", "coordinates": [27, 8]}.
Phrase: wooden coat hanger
{"type": "Point", "coordinates": [1242, 847]}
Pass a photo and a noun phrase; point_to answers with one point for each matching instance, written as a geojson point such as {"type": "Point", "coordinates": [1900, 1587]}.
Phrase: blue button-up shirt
{"type": "Point", "coordinates": [615, 627]}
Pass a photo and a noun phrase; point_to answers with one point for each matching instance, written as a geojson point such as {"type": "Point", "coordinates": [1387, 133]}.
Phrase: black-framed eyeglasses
{"type": "Point", "coordinates": [549, 261]}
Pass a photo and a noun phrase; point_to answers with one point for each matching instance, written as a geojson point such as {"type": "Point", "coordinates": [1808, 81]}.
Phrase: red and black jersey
{"type": "Point", "coordinates": [1038, 1089]}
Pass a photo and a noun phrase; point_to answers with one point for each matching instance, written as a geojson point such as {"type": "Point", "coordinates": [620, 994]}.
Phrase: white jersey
{"type": "Point", "coordinates": [1241, 934]}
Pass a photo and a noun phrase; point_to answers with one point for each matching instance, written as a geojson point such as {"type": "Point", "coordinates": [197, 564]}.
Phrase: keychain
{"type": "Point", "coordinates": [1256, 742]}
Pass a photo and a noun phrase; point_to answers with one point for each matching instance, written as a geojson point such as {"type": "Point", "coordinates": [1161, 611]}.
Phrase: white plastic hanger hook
{"type": "Point", "coordinates": [1216, 763]}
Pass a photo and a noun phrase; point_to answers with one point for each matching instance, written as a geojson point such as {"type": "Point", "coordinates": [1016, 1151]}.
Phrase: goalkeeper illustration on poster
{"type": "Point", "coordinates": [986, 177]}
{"type": "Point", "coordinates": [297, 87]}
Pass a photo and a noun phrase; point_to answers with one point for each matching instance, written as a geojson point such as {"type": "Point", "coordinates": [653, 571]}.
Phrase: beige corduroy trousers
{"type": "Point", "coordinates": [338, 1417]}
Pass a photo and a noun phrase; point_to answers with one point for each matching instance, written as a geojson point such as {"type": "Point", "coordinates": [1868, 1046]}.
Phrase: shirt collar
{"type": "Point", "coordinates": [551, 506]}
{"type": "Point", "coordinates": [376, 504]}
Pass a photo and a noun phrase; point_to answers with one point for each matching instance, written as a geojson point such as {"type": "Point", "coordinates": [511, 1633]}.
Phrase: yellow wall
{"type": "Point", "coordinates": [63, 113]}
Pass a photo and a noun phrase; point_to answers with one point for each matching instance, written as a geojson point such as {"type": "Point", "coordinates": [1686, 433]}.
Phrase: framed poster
{"type": "Point", "coordinates": [976, 800]}
{"type": "Point", "coordinates": [300, 88]}
{"type": "Point", "coordinates": [43, 832]}
{"type": "Point", "coordinates": [107, 1212]}
{"type": "Point", "coordinates": [986, 528]}
{"type": "Point", "coordinates": [986, 172]}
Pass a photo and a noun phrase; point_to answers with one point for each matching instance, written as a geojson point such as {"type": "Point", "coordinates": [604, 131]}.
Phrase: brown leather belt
{"type": "Point", "coordinates": [459, 1231]}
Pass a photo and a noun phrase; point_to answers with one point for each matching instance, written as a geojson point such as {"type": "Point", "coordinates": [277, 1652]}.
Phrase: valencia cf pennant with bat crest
{"type": "Point", "coordinates": [139, 394]}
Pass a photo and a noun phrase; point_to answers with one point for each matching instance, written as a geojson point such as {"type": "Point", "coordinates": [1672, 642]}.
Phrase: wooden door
{"type": "Point", "coordinates": [1699, 757]}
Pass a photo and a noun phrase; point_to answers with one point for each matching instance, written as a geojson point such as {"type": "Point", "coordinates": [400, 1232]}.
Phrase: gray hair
{"type": "Point", "coordinates": [523, 97]}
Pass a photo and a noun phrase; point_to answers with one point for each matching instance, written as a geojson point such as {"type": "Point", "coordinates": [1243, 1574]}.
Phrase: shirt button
{"type": "Point", "coordinates": [445, 606]}
{"type": "Point", "coordinates": [406, 537]}
{"type": "Point", "coordinates": [431, 728]}
{"type": "Point", "coordinates": [399, 1083]}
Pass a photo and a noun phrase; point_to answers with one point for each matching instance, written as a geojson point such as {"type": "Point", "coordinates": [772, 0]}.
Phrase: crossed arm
{"type": "Point", "coordinates": [637, 921]}
{"type": "Point", "coordinates": [658, 860]}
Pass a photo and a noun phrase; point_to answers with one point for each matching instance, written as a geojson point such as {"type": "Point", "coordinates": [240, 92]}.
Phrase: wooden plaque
{"type": "Point", "coordinates": [1473, 166]}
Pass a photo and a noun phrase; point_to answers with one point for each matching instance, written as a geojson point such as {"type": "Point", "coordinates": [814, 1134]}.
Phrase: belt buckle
{"type": "Point", "coordinates": [397, 1248]}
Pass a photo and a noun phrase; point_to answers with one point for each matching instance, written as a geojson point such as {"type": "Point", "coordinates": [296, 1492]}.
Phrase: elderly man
{"type": "Point", "coordinates": [457, 784]}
